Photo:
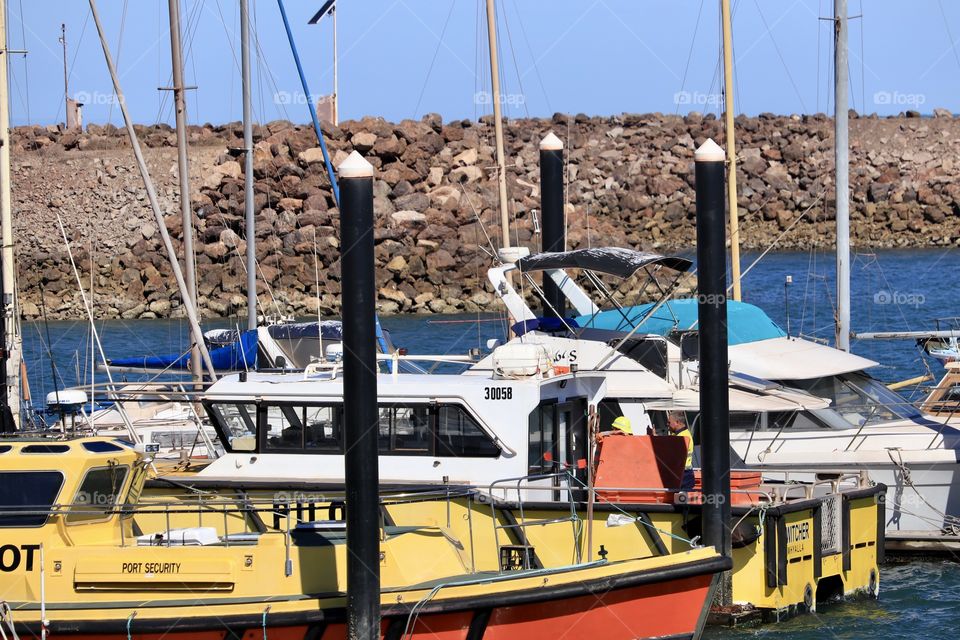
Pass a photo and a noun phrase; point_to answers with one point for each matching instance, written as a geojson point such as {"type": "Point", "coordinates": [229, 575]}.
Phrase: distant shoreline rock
{"type": "Point", "coordinates": [630, 183]}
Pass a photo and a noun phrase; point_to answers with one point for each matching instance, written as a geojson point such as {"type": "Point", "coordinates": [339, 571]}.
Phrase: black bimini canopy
{"type": "Point", "coordinates": [611, 260]}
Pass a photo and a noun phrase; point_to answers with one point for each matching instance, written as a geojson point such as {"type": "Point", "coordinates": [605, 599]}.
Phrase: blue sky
{"type": "Point", "coordinates": [403, 58]}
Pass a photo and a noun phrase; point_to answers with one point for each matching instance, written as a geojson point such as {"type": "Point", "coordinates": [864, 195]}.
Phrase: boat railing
{"type": "Point", "coordinates": [330, 369]}
{"type": "Point", "coordinates": [785, 483]}
{"type": "Point", "coordinates": [520, 553]}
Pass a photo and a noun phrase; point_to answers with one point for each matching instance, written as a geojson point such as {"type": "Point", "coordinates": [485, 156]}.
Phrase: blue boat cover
{"type": "Point", "coordinates": [326, 330]}
{"type": "Point", "coordinates": [547, 324]}
{"type": "Point", "coordinates": [745, 322]}
{"type": "Point", "coordinates": [240, 355]}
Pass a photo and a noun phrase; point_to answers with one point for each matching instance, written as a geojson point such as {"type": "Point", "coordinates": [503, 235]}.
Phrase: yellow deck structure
{"type": "Point", "coordinates": [85, 553]}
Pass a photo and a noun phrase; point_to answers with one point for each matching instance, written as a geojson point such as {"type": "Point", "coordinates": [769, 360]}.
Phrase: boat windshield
{"type": "Point", "coordinates": [858, 400]}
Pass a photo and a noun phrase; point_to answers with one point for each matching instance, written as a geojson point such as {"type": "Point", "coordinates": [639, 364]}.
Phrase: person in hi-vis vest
{"type": "Point", "coordinates": [678, 427]}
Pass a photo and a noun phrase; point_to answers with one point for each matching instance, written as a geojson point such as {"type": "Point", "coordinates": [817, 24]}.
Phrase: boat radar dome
{"type": "Point", "coordinates": [67, 398]}
{"type": "Point", "coordinates": [709, 151]}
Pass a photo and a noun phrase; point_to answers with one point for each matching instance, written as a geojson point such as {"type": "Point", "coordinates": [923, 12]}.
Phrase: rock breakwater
{"type": "Point", "coordinates": [629, 183]}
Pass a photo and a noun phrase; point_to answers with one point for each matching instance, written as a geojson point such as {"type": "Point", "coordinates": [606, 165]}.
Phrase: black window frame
{"type": "Point", "coordinates": [392, 450]}
{"type": "Point", "coordinates": [262, 408]}
{"type": "Point", "coordinates": [494, 450]}
{"type": "Point", "coordinates": [212, 408]}
{"type": "Point", "coordinates": [45, 518]}
{"type": "Point", "coordinates": [73, 517]}
{"type": "Point", "coordinates": [543, 466]}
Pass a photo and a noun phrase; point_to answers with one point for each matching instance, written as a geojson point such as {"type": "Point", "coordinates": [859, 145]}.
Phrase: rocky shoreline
{"type": "Point", "coordinates": [630, 183]}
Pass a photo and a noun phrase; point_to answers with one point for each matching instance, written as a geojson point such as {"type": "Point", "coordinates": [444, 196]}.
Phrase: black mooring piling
{"type": "Point", "coordinates": [712, 322]}
{"type": "Point", "coordinates": [360, 398]}
{"type": "Point", "coordinates": [552, 229]}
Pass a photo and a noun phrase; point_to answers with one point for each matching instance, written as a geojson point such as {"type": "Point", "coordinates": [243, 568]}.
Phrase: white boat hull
{"type": "Point", "coordinates": [918, 465]}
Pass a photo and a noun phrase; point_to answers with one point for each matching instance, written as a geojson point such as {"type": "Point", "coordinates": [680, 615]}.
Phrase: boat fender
{"type": "Point", "coordinates": [744, 534]}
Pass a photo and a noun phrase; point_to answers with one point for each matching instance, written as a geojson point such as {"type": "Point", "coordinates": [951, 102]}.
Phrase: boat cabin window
{"type": "Point", "coordinates": [27, 496]}
{"type": "Point", "coordinates": [236, 424]}
{"type": "Point", "coordinates": [98, 494]}
{"type": "Point", "coordinates": [750, 421]}
{"type": "Point", "coordinates": [173, 440]}
{"type": "Point", "coordinates": [435, 429]}
{"type": "Point", "coordinates": [542, 443]}
{"type": "Point", "coordinates": [558, 437]}
{"type": "Point", "coordinates": [459, 435]}
{"type": "Point", "coordinates": [298, 427]}
{"type": "Point", "coordinates": [405, 429]}
{"type": "Point", "coordinates": [857, 400]}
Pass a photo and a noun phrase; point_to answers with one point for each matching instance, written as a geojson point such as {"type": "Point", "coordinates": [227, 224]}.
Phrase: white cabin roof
{"type": "Point", "coordinates": [793, 359]}
{"type": "Point", "coordinates": [405, 385]}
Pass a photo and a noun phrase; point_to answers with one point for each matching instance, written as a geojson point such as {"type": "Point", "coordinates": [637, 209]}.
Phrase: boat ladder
{"type": "Point", "coordinates": [519, 553]}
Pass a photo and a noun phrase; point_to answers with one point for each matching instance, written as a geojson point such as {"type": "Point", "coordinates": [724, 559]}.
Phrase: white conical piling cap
{"type": "Point", "coordinates": [709, 151]}
{"type": "Point", "coordinates": [355, 166]}
{"type": "Point", "coordinates": [551, 142]}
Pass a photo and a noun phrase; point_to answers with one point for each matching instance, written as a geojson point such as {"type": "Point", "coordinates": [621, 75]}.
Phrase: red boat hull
{"type": "Point", "coordinates": [660, 609]}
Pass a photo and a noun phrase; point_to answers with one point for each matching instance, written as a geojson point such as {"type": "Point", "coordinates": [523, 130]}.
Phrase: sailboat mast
{"type": "Point", "coordinates": [336, 71]}
{"type": "Point", "coordinates": [842, 162]}
{"type": "Point", "coordinates": [498, 124]}
{"type": "Point", "coordinates": [197, 333]}
{"type": "Point", "coordinates": [66, 83]}
{"type": "Point", "coordinates": [183, 167]}
{"type": "Point", "coordinates": [248, 166]}
{"type": "Point", "coordinates": [731, 148]}
{"type": "Point", "coordinates": [11, 347]}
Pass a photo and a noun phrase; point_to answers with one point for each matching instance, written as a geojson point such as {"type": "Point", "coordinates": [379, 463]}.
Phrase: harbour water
{"type": "Point", "coordinates": [894, 290]}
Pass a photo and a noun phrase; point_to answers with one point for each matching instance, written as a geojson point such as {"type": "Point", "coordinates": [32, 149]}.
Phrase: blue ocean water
{"type": "Point", "coordinates": [891, 290]}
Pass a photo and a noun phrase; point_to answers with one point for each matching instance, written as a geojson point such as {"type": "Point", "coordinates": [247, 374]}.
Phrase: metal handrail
{"type": "Point", "coordinates": [521, 483]}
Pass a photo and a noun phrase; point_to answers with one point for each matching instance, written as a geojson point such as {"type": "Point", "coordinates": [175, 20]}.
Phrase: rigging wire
{"type": "Point", "coordinates": [73, 62]}
{"type": "Point", "coordinates": [863, 91]}
{"type": "Point", "coordinates": [536, 67]}
{"type": "Point", "coordinates": [946, 25]}
{"type": "Point", "coordinates": [165, 109]}
{"type": "Point", "coordinates": [476, 63]}
{"type": "Point", "coordinates": [716, 82]}
{"type": "Point", "coordinates": [819, 49]}
{"type": "Point", "coordinates": [123, 24]}
{"type": "Point", "coordinates": [233, 50]}
{"type": "Point", "coordinates": [516, 67]}
{"type": "Point", "coordinates": [738, 96]}
{"type": "Point", "coordinates": [261, 58]}
{"type": "Point", "coordinates": [780, 55]}
{"type": "Point", "coordinates": [686, 67]}
{"type": "Point", "coordinates": [433, 60]}
{"type": "Point", "coordinates": [25, 99]}
{"type": "Point", "coordinates": [260, 62]}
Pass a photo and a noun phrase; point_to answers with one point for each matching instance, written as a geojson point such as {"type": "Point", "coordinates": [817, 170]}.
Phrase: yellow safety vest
{"type": "Point", "coordinates": [688, 438]}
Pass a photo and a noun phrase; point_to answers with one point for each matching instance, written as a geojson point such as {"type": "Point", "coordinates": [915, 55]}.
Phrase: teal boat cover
{"type": "Point", "coordinates": [745, 322]}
